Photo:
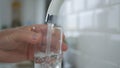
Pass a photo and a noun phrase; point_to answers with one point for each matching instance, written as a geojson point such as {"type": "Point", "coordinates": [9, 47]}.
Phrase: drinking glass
{"type": "Point", "coordinates": [48, 54]}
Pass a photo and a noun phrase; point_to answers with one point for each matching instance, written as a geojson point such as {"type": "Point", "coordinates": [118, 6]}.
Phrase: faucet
{"type": "Point", "coordinates": [53, 10]}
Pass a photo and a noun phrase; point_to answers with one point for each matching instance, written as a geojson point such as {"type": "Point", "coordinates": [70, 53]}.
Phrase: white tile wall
{"type": "Point", "coordinates": [69, 20]}
{"type": "Point", "coordinates": [100, 47]}
{"type": "Point", "coordinates": [96, 3]}
{"type": "Point", "coordinates": [75, 6]}
{"type": "Point", "coordinates": [101, 18]}
{"type": "Point", "coordinates": [67, 7]}
{"type": "Point", "coordinates": [100, 13]}
{"type": "Point", "coordinates": [114, 18]}
{"type": "Point", "coordinates": [86, 20]}
{"type": "Point", "coordinates": [114, 1]}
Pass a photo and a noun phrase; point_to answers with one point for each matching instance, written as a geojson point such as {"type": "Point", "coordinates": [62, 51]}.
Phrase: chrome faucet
{"type": "Point", "coordinates": [53, 11]}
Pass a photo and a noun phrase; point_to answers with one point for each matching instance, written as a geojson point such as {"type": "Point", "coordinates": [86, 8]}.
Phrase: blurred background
{"type": "Point", "coordinates": [92, 29]}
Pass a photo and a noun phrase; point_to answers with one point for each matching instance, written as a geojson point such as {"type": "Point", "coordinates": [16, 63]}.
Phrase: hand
{"type": "Point", "coordinates": [17, 44]}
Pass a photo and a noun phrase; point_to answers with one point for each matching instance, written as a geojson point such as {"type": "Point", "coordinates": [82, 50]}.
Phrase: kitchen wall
{"type": "Point", "coordinates": [33, 12]}
{"type": "Point", "coordinates": [92, 29]}
{"type": "Point", "coordinates": [5, 12]}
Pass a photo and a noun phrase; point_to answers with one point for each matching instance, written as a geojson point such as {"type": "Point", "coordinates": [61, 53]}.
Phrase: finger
{"type": "Point", "coordinates": [36, 28]}
{"type": "Point", "coordinates": [40, 28]}
{"type": "Point", "coordinates": [27, 37]}
{"type": "Point", "coordinates": [30, 52]}
{"type": "Point", "coordinates": [11, 57]}
{"type": "Point", "coordinates": [64, 46]}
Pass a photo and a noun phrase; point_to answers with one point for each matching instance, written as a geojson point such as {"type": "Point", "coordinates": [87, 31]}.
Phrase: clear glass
{"type": "Point", "coordinates": [48, 54]}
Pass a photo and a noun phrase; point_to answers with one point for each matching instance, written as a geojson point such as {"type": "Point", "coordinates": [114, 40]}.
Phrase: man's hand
{"type": "Point", "coordinates": [17, 44]}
